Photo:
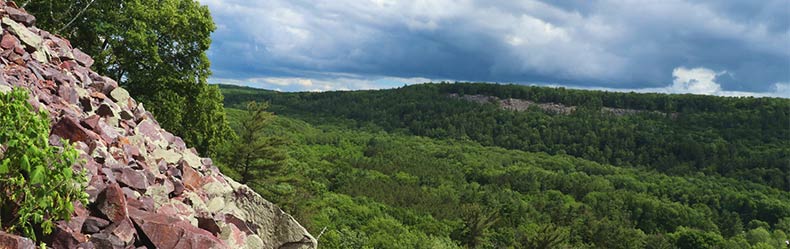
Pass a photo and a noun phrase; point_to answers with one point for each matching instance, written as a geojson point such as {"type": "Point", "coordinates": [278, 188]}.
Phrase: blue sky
{"type": "Point", "coordinates": [719, 47]}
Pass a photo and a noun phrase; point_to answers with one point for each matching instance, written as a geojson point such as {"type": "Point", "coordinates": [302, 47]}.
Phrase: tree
{"type": "Point", "coordinates": [254, 153]}
{"type": "Point", "coordinates": [154, 48]}
{"type": "Point", "coordinates": [477, 220]}
{"type": "Point", "coordinates": [691, 238]}
{"type": "Point", "coordinates": [543, 237]}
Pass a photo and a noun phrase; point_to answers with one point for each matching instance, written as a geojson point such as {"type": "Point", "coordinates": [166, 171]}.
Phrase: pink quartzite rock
{"type": "Point", "coordinates": [130, 177]}
{"type": "Point", "coordinates": [68, 94]}
{"type": "Point", "coordinates": [94, 225]}
{"type": "Point", "coordinates": [9, 42]}
{"type": "Point", "coordinates": [169, 232]}
{"type": "Point", "coordinates": [191, 178]}
{"type": "Point", "coordinates": [91, 122]}
{"type": "Point", "coordinates": [21, 16]}
{"type": "Point", "coordinates": [11, 241]}
{"type": "Point", "coordinates": [83, 58]}
{"type": "Point", "coordinates": [70, 129]}
{"type": "Point", "coordinates": [124, 230]}
{"type": "Point", "coordinates": [65, 237]}
{"type": "Point", "coordinates": [112, 203]}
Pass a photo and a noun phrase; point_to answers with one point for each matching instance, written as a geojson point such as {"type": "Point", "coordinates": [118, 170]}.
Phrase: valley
{"type": "Point", "coordinates": [371, 170]}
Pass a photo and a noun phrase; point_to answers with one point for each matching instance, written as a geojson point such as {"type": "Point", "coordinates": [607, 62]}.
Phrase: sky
{"type": "Point", "coordinates": [716, 47]}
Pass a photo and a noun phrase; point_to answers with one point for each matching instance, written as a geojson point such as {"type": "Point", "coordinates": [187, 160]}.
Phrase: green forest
{"type": "Point", "coordinates": [414, 167]}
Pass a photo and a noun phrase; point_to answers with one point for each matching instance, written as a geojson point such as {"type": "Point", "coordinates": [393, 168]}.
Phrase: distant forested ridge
{"type": "Point", "coordinates": [739, 138]}
{"type": "Point", "coordinates": [422, 167]}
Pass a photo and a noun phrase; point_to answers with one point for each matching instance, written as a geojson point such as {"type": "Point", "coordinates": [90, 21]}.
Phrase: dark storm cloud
{"type": "Point", "coordinates": [605, 44]}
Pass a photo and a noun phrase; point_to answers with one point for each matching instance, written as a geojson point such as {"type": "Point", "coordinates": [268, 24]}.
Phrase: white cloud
{"type": "Point", "coordinates": [697, 80]}
{"type": "Point", "coordinates": [328, 83]}
{"type": "Point", "coordinates": [589, 42]}
{"type": "Point", "coordinates": [782, 89]}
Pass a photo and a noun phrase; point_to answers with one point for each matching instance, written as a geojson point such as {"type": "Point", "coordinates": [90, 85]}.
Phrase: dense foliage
{"type": "Point", "coordinates": [356, 169]}
{"type": "Point", "coordinates": [741, 138]}
{"type": "Point", "coordinates": [154, 48]}
{"type": "Point", "coordinates": [37, 183]}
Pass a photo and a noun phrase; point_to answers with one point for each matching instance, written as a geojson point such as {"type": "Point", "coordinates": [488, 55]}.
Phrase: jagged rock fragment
{"type": "Point", "coordinates": [15, 242]}
{"type": "Point", "coordinates": [21, 16]}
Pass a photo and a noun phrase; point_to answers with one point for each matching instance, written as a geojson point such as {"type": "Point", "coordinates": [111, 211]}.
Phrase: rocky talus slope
{"type": "Point", "coordinates": [147, 188]}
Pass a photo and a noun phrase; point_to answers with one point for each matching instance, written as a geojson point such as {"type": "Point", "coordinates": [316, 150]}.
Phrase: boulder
{"type": "Point", "coordinates": [29, 38]}
{"type": "Point", "coordinates": [83, 58]}
{"type": "Point", "coordinates": [124, 231]}
{"type": "Point", "coordinates": [69, 128]}
{"type": "Point", "coordinates": [120, 95]}
{"type": "Point", "coordinates": [105, 110]}
{"type": "Point", "coordinates": [9, 41]}
{"type": "Point", "coordinates": [11, 241]}
{"type": "Point", "coordinates": [134, 179]}
{"type": "Point", "coordinates": [168, 156]}
{"type": "Point", "coordinates": [192, 179]}
{"type": "Point", "coordinates": [107, 240]}
{"type": "Point", "coordinates": [112, 203]}
{"type": "Point", "coordinates": [20, 16]}
{"type": "Point", "coordinates": [68, 94]}
{"type": "Point", "coordinates": [164, 231]}
{"type": "Point", "coordinates": [277, 228]}
{"type": "Point", "coordinates": [94, 225]}
{"type": "Point", "coordinates": [64, 237]}
{"type": "Point", "coordinates": [91, 122]}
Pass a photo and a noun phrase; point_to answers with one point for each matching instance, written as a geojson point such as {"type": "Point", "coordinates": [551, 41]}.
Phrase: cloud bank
{"type": "Point", "coordinates": [606, 43]}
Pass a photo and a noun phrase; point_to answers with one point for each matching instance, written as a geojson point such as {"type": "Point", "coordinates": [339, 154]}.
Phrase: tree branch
{"type": "Point", "coordinates": [76, 16]}
{"type": "Point", "coordinates": [321, 233]}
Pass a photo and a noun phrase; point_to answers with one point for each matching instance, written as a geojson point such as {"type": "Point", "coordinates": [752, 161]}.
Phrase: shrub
{"type": "Point", "coordinates": [37, 182]}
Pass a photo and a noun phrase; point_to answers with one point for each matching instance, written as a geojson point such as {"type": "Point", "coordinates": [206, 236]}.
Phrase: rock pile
{"type": "Point", "coordinates": [147, 189]}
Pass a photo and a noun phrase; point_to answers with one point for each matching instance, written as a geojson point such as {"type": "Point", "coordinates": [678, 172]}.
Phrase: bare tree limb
{"type": "Point", "coordinates": [321, 233]}
{"type": "Point", "coordinates": [76, 16]}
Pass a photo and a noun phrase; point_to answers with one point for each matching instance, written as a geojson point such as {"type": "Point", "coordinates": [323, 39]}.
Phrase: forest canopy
{"type": "Point", "coordinates": [420, 167]}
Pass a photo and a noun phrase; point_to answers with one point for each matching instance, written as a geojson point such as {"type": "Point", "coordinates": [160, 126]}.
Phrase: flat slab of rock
{"type": "Point", "coordinates": [169, 232]}
{"type": "Point", "coordinates": [69, 128]}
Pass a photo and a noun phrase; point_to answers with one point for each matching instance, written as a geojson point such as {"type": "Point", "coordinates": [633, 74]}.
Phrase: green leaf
{"type": "Point", "coordinates": [24, 164]}
{"type": "Point", "coordinates": [37, 176]}
{"type": "Point", "coordinates": [67, 172]}
{"type": "Point", "coordinates": [4, 168]}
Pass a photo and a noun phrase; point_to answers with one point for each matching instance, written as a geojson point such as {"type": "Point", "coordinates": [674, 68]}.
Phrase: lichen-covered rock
{"type": "Point", "coordinates": [146, 187]}
{"type": "Point", "coordinates": [112, 203]}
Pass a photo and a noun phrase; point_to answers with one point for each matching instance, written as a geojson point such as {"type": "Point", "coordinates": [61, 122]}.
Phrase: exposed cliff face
{"type": "Point", "coordinates": [146, 187]}
{"type": "Point", "coordinates": [523, 105]}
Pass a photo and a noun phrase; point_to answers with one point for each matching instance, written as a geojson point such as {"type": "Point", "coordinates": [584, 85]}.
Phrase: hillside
{"type": "Point", "coordinates": [84, 165]}
{"type": "Point", "coordinates": [419, 167]}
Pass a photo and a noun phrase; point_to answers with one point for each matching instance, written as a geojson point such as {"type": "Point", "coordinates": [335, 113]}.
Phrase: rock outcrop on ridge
{"type": "Point", "coordinates": [146, 187]}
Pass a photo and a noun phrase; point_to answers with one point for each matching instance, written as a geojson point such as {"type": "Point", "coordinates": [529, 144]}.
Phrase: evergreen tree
{"type": "Point", "coordinates": [255, 154]}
